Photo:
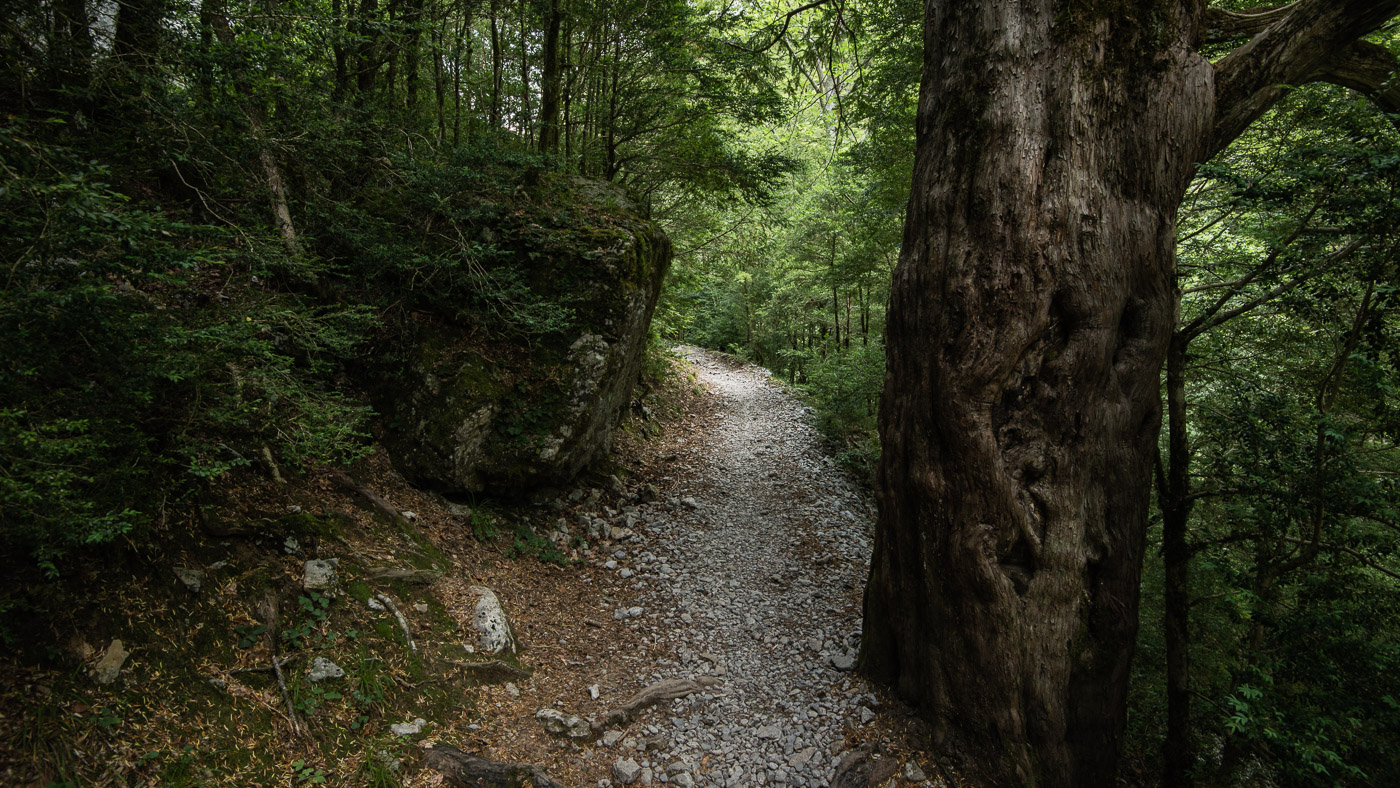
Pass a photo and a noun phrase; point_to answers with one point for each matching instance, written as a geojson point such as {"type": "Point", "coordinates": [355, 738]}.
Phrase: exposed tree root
{"type": "Point", "coordinates": [462, 770]}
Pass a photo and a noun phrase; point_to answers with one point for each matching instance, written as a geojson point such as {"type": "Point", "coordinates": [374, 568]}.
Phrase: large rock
{"type": "Point", "coordinates": [512, 414]}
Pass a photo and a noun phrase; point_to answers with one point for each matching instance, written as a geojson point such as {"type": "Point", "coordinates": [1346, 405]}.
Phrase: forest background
{"type": "Point", "coordinates": [215, 212]}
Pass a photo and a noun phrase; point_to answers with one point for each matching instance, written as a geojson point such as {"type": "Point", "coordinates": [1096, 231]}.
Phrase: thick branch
{"type": "Point", "coordinates": [1223, 25]}
{"type": "Point", "coordinates": [1302, 46]}
{"type": "Point", "coordinates": [782, 31]}
{"type": "Point", "coordinates": [1368, 69]}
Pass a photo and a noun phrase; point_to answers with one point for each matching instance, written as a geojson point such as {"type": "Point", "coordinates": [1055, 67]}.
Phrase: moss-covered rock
{"type": "Point", "coordinates": [513, 413]}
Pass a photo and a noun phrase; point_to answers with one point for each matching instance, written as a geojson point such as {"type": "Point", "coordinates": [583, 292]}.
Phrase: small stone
{"type": "Point", "coordinates": [322, 669]}
{"type": "Point", "coordinates": [634, 612]}
{"type": "Point", "coordinates": [110, 666]}
{"type": "Point", "coordinates": [769, 732]}
{"type": "Point", "coordinates": [593, 691]}
{"type": "Point", "coordinates": [409, 516]}
{"type": "Point", "coordinates": [492, 628]}
{"type": "Point", "coordinates": [625, 573]}
{"type": "Point", "coordinates": [458, 510]}
{"type": "Point", "coordinates": [689, 503]}
{"type": "Point", "coordinates": [866, 715]}
{"type": "Point", "coordinates": [798, 760]}
{"type": "Point", "coordinates": [557, 723]}
{"type": "Point", "coordinates": [421, 607]}
{"type": "Point", "coordinates": [320, 576]}
{"type": "Point", "coordinates": [844, 662]}
{"type": "Point", "coordinates": [610, 564]}
{"type": "Point", "coordinates": [218, 684]}
{"type": "Point", "coordinates": [683, 780]}
{"type": "Point", "coordinates": [646, 776]}
{"type": "Point", "coordinates": [192, 578]}
{"type": "Point", "coordinates": [612, 737]}
{"type": "Point", "coordinates": [912, 772]}
{"type": "Point", "coordinates": [626, 772]}
{"type": "Point", "coordinates": [408, 728]}
{"type": "Point", "coordinates": [512, 690]}
{"type": "Point", "coordinates": [291, 546]}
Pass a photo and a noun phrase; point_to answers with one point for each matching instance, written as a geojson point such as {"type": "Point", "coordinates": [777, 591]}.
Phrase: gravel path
{"type": "Point", "coordinates": [758, 557]}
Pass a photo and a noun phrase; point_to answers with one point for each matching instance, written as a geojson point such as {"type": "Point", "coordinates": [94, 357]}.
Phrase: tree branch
{"type": "Point", "coordinates": [782, 31]}
{"type": "Point", "coordinates": [1223, 25]}
{"type": "Point", "coordinates": [1369, 69]}
{"type": "Point", "coordinates": [1301, 46]}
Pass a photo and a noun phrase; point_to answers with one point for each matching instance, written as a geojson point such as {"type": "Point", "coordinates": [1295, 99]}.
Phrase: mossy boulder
{"type": "Point", "coordinates": [491, 411]}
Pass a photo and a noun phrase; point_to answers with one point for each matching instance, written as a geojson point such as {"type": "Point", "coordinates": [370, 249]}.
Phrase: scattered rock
{"type": "Point", "coordinates": [408, 728]}
{"type": "Point", "coordinates": [421, 607]}
{"type": "Point", "coordinates": [912, 772]}
{"type": "Point", "coordinates": [512, 690]}
{"type": "Point", "coordinates": [689, 503]}
{"type": "Point", "coordinates": [866, 715]}
{"type": "Point", "coordinates": [493, 630]}
{"type": "Point", "coordinates": [458, 510]}
{"type": "Point", "coordinates": [557, 723]}
{"type": "Point", "coordinates": [192, 578]}
{"type": "Point", "coordinates": [624, 613]}
{"type": "Point", "coordinates": [593, 691]}
{"type": "Point", "coordinates": [320, 576]}
{"type": "Point", "coordinates": [291, 546]}
{"type": "Point", "coordinates": [110, 666]}
{"type": "Point", "coordinates": [769, 732]}
{"type": "Point", "coordinates": [322, 669]}
{"type": "Point", "coordinates": [611, 737]}
{"type": "Point", "coordinates": [843, 662]}
{"type": "Point", "coordinates": [626, 772]}
{"type": "Point", "coordinates": [683, 780]}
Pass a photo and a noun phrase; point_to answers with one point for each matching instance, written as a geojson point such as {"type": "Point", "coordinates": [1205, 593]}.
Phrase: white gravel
{"type": "Point", "coordinates": [760, 547]}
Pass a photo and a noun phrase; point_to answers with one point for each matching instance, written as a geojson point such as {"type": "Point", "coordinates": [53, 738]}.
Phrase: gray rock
{"type": "Point", "coordinates": [458, 510]}
{"type": "Point", "coordinates": [320, 576]}
{"type": "Point", "coordinates": [683, 780]}
{"type": "Point", "coordinates": [322, 669]}
{"type": "Point", "coordinates": [611, 737]}
{"type": "Point", "coordinates": [192, 578]}
{"type": "Point", "coordinates": [109, 667]}
{"type": "Point", "coordinates": [844, 662]}
{"type": "Point", "coordinates": [408, 728]}
{"type": "Point", "coordinates": [769, 732]}
{"type": "Point", "coordinates": [493, 632]}
{"type": "Point", "coordinates": [912, 772]}
{"type": "Point", "coordinates": [512, 690]}
{"type": "Point", "coordinates": [557, 723]}
{"type": "Point", "coordinates": [626, 772]}
{"type": "Point", "coordinates": [866, 715]}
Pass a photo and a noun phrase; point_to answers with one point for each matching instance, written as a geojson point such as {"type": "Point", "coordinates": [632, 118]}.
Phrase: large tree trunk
{"type": "Point", "coordinates": [1029, 317]}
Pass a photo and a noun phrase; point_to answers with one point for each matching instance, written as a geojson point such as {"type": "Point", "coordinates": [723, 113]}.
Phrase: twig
{"type": "Point", "coordinates": [662, 690]}
{"type": "Point", "coordinates": [403, 622]}
{"type": "Point", "coordinates": [266, 668]}
{"type": "Point", "coordinates": [270, 616]}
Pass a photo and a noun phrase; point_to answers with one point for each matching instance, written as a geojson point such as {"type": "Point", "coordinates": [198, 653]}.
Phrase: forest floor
{"type": "Point", "coordinates": [724, 547]}
{"type": "Point", "coordinates": [747, 568]}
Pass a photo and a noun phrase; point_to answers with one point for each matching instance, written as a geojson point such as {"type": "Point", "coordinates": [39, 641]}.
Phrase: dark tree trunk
{"type": "Point", "coordinates": [1175, 502]}
{"type": "Point", "coordinates": [549, 97]}
{"type": "Point", "coordinates": [496, 64]}
{"type": "Point", "coordinates": [1029, 317]}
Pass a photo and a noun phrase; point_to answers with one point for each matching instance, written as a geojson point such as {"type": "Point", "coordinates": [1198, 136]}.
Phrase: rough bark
{"type": "Point", "coordinates": [549, 96]}
{"type": "Point", "coordinates": [1029, 318]}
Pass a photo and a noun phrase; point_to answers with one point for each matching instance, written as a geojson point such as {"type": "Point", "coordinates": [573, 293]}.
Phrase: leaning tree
{"type": "Point", "coordinates": [1029, 317]}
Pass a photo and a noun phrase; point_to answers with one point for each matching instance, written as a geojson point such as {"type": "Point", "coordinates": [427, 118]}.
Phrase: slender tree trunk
{"type": "Point", "coordinates": [835, 298]}
{"type": "Point", "coordinates": [414, 19]}
{"type": "Point", "coordinates": [549, 98]}
{"type": "Point", "coordinates": [366, 51]}
{"type": "Point", "coordinates": [272, 172]}
{"type": "Point", "coordinates": [342, 67]}
{"type": "Point", "coordinates": [527, 129]}
{"type": "Point", "coordinates": [496, 64]}
{"type": "Point", "coordinates": [1174, 499]}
